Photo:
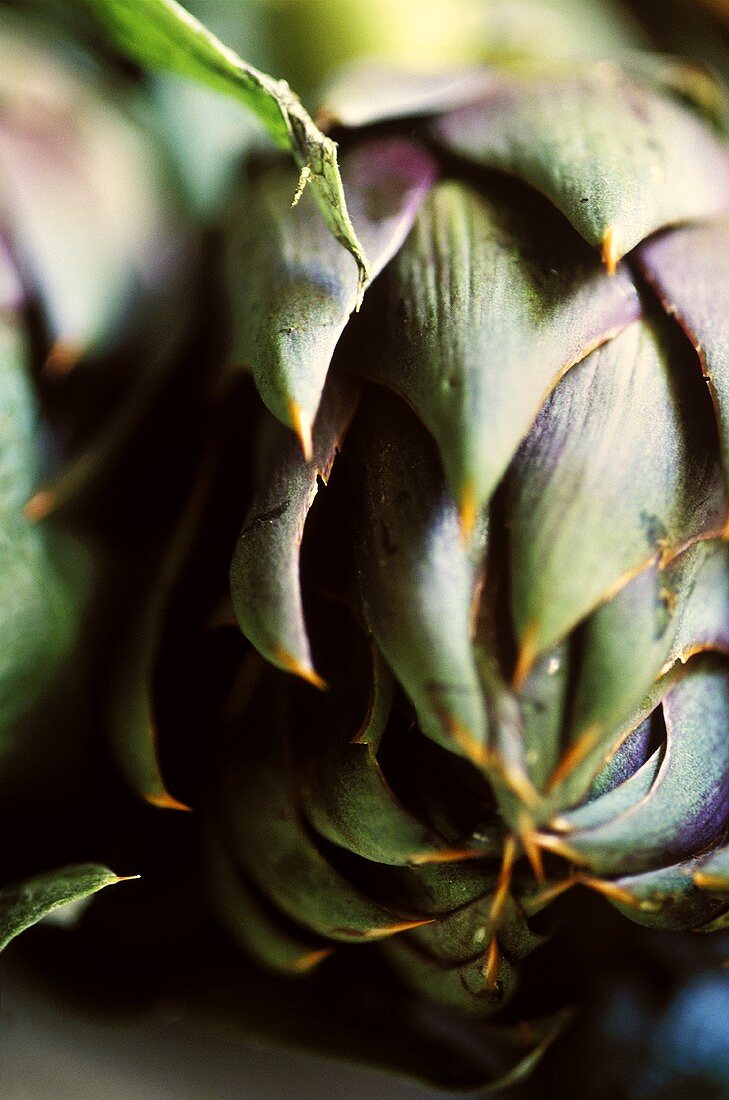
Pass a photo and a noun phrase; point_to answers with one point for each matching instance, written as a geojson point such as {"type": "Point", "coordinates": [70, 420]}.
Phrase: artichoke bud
{"type": "Point", "coordinates": [529, 515]}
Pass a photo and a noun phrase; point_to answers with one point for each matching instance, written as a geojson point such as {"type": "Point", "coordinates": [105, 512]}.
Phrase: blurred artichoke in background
{"type": "Point", "coordinates": [448, 706]}
{"type": "Point", "coordinates": [92, 260]}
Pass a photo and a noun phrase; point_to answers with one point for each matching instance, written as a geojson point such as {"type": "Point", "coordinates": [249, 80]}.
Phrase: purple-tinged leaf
{"type": "Point", "coordinates": [667, 898]}
{"type": "Point", "coordinates": [292, 285]}
{"type": "Point", "coordinates": [617, 472]}
{"type": "Point", "coordinates": [619, 159]}
{"type": "Point", "coordinates": [264, 572]}
{"type": "Point", "coordinates": [687, 806]}
{"type": "Point", "coordinates": [491, 301]}
{"type": "Point", "coordinates": [689, 269]}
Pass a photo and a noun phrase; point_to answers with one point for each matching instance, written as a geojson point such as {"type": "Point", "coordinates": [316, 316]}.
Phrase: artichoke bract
{"type": "Point", "coordinates": [514, 593]}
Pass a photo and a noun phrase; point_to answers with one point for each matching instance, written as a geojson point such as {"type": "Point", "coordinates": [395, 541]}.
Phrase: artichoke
{"type": "Point", "coordinates": [438, 651]}
{"type": "Point", "coordinates": [515, 592]}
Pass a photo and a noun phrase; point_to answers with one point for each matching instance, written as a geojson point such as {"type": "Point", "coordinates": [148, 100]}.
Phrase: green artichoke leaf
{"type": "Point", "coordinates": [119, 233]}
{"type": "Point", "coordinates": [618, 158]}
{"type": "Point", "coordinates": [25, 903]}
{"type": "Point", "coordinates": [435, 889]}
{"type": "Point", "coordinates": [689, 269]}
{"type": "Point", "coordinates": [293, 289]}
{"type": "Point", "coordinates": [465, 986]}
{"type": "Point", "coordinates": [491, 302]}
{"type": "Point", "coordinates": [161, 34]}
{"type": "Point", "coordinates": [703, 617]}
{"type": "Point", "coordinates": [276, 944]}
{"type": "Point", "coordinates": [667, 898]}
{"type": "Point", "coordinates": [542, 702]}
{"type": "Point", "coordinates": [466, 932]}
{"type": "Point", "coordinates": [611, 804]}
{"type": "Point", "coordinates": [685, 808]}
{"type": "Point", "coordinates": [660, 616]}
{"type": "Point", "coordinates": [264, 572]}
{"type": "Point", "coordinates": [417, 577]}
{"type": "Point", "coordinates": [267, 837]}
{"type": "Point", "coordinates": [615, 474]}
{"type": "Point", "coordinates": [598, 766]}
{"type": "Point", "coordinates": [345, 794]}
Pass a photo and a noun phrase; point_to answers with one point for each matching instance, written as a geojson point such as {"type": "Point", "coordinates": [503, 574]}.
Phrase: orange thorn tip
{"type": "Point", "coordinates": [476, 752]}
{"type": "Point", "coordinates": [302, 423]}
{"type": "Point", "coordinates": [493, 960]}
{"type": "Point", "coordinates": [445, 855]}
{"type": "Point", "coordinates": [710, 882]}
{"type": "Point", "coordinates": [725, 531]}
{"type": "Point", "coordinates": [393, 929]}
{"type": "Point", "coordinates": [609, 890]}
{"type": "Point", "coordinates": [532, 850]}
{"type": "Point", "coordinates": [610, 251]}
{"type": "Point", "coordinates": [127, 878]}
{"type": "Point", "coordinates": [467, 510]}
{"type": "Point", "coordinates": [62, 358]}
{"type": "Point", "coordinates": [527, 656]}
{"type": "Point", "coordinates": [310, 960]}
{"type": "Point", "coordinates": [575, 755]}
{"type": "Point", "coordinates": [165, 801]}
{"type": "Point", "coordinates": [40, 505]}
{"type": "Point", "coordinates": [289, 663]}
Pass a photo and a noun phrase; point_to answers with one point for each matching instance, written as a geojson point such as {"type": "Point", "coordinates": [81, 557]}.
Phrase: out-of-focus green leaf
{"type": "Point", "coordinates": [42, 575]}
{"type": "Point", "coordinates": [62, 141]}
{"type": "Point", "coordinates": [418, 578]}
{"type": "Point", "coordinates": [161, 34]}
{"type": "Point", "coordinates": [618, 158]}
{"type": "Point", "coordinates": [279, 945]}
{"type": "Point", "coordinates": [293, 289]}
{"type": "Point", "coordinates": [25, 903]}
{"type": "Point", "coordinates": [616, 473]}
{"type": "Point", "coordinates": [490, 302]}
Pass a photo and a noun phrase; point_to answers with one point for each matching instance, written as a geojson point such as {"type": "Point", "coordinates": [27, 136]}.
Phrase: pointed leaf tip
{"type": "Point", "coordinates": [302, 423]}
{"type": "Point", "coordinates": [610, 251]}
